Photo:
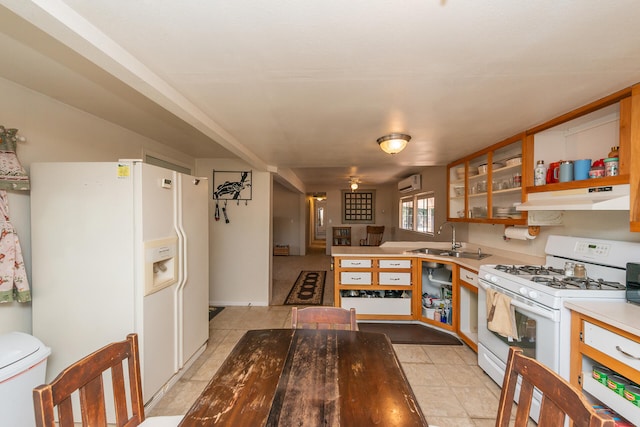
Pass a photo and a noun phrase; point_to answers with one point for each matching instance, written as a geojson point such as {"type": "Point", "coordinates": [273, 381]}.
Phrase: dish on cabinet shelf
{"type": "Point", "coordinates": [514, 161]}
{"type": "Point", "coordinates": [482, 169]}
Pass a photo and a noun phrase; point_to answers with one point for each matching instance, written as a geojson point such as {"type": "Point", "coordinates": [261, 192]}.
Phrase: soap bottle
{"type": "Point", "coordinates": [540, 174]}
{"type": "Point", "coordinates": [614, 152]}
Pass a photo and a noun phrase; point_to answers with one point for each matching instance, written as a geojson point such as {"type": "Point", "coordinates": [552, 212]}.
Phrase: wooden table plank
{"type": "Point", "coordinates": [308, 390]}
{"type": "Point", "coordinates": [241, 392]}
{"type": "Point", "coordinates": [284, 377]}
{"type": "Point", "coordinates": [373, 387]}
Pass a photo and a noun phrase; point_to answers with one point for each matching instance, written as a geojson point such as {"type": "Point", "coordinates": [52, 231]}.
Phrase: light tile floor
{"type": "Point", "coordinates": [450, 387]}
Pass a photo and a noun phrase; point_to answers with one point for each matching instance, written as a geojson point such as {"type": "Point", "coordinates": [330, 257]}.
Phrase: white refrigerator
{"type": "Point", "coordinates": [120, 247]}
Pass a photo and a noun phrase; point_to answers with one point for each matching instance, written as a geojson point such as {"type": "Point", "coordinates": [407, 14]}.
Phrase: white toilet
{"type": "Point", "coordinates": [23, 364]}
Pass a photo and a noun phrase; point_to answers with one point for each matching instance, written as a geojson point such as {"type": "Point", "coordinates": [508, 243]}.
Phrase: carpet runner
{"type": "Point", "coordinates": [308, 289]}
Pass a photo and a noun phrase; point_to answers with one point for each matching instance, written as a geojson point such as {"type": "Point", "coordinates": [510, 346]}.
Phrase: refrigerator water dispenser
{"type": "Point", "coordinates": [161, 264]}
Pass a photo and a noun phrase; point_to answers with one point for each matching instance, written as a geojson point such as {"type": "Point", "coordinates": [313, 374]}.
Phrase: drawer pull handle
{"type": "Point", "coordinates": [626, 354]}
{"type": "Point", "coordinates": [468, 277]}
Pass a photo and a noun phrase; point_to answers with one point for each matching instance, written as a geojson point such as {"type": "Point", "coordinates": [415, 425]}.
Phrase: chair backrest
{"type": "Point", "coordinates": [559, 398]}
{"type": "Point", "coordinates": [374, 235]}
{"type": "Point", "coordinates": [86, 377]}
{"type": "Point", "coordinates": [324, 318]}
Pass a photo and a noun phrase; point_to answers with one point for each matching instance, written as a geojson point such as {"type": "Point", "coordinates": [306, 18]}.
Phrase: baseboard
{"type": "Point", "coordinates": [239, 303]}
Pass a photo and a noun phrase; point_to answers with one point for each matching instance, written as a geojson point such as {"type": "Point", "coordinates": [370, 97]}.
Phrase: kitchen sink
{"type": "Point", "coordinates": [450, 253]}
{"type": "Point", "coordinates": [431, 251]}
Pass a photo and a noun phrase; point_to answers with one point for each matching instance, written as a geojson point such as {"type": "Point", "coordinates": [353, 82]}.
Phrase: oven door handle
{"type": "Point", "coordinates": [547, 314]}
{"type": "Point", "coordinates": [539, 311]}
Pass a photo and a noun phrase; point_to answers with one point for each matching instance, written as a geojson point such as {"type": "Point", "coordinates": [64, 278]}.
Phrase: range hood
{"type": "Point", "coordinates": [604, 198]}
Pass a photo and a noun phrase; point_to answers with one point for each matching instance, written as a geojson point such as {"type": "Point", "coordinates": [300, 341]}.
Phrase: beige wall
{"type": "Point", "coordinates": [288, 222]}
{"type": "Point", "coordinates": [57, 132]}
{"type": "Point", "coordinates": [240, 251]}
{"type": "Point", "coordinates": [611, 225]}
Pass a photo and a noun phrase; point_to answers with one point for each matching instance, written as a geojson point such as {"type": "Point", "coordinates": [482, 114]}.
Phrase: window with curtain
{"type": "Point", "coordinates": [417, 213]}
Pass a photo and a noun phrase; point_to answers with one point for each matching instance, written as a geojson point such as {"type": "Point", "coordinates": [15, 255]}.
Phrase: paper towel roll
{"type": "Point", "coordinates": [518, 233]}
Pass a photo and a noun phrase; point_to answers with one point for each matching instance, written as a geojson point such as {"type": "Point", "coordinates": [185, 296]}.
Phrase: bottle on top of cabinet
{"type": "Point", "coordinates": [540, 174]}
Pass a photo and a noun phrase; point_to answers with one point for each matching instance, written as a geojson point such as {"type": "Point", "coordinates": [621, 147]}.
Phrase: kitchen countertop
{"type": "Point", "coordinates": [619, 314]}
{"type": "Point", "coordinates": [395, 249]}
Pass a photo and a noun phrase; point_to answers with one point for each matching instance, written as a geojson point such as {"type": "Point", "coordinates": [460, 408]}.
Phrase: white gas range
{"type": "Point", "coordinates": [538, 293]}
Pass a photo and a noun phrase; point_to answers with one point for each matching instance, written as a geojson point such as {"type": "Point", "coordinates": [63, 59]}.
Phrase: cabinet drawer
{"type": "Point", "coordinates": [469, 276]}
{"type": "Point", "coordinates": [355, 278]}
{"type": "Point", "coordinates": [397, 306]}
{"type": "Point", "coordinates": [355, 263]}
{"type": "Point", "coordinates": [613, 344]}
{"type": "Point", "coordinates": [395, 263]}
{"type": "Point", "coordinates": [394, 279]}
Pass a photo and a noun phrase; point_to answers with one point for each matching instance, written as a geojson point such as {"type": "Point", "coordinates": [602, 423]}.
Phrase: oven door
{"type": "Point", "coordinates": [538, 327]}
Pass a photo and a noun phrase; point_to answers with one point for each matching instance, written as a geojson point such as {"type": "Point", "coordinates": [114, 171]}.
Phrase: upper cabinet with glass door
{"type": "Point", "coordinates": [486, 186]}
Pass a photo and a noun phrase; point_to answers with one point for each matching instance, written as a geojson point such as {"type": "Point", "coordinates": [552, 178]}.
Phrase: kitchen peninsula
{"type": "Point", "coordinates": [392, 282]}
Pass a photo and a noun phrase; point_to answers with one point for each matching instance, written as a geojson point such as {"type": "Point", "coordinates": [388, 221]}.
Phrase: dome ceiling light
{"type": "Point", "coordinates": [394, 142]}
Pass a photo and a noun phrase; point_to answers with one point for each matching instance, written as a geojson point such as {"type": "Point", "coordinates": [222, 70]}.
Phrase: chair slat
{"type": "Point", "coordinates": [559, 398]}
{"type": "Point", "coordinates": [86, 377]}
{"type": "Point", "coordinates": [92, 402]}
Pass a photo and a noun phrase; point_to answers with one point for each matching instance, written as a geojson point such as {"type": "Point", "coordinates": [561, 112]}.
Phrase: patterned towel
{"type": "Point", "coordinates": [14, 285]}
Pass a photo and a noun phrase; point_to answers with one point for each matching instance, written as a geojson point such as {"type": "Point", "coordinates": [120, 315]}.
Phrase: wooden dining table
{"type": "Point", "coordinates": [302, 377]}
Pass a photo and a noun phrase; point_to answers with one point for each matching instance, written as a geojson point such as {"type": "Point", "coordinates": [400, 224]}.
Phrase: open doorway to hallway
{"type": "Point", "coordinates": [318, 227]}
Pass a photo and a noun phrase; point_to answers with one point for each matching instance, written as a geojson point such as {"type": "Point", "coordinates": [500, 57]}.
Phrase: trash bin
{"type": "Point", "coordinates": [23, 364]}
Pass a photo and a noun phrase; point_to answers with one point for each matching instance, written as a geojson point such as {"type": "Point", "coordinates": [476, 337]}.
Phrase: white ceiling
{"type": "Point", "coordinates": [308, 86]}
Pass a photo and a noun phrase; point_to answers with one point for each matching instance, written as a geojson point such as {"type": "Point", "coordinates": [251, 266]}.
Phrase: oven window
{"type": "Point", "coordinates": [526, 334]}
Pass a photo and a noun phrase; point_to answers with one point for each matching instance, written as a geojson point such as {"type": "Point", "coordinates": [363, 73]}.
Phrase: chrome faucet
{"type": "Point", "coordinates": [454, 245]}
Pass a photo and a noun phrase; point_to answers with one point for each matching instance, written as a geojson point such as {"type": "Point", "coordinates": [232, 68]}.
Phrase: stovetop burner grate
{"type": "Point", "coordinates": [529, 270]}
{"type": "Point", "coordinates": [555, 278]}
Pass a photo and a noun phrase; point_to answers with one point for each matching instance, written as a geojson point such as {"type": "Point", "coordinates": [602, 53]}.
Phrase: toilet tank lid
{"type": "Point", "coordinates": [18, 346]}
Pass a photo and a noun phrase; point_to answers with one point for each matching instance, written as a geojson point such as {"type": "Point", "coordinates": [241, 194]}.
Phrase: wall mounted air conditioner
{"type": "Point", "coordinates": [409, 184]}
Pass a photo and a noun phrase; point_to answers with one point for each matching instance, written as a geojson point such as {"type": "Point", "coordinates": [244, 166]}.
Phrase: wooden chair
{"type": "Point", "coordinates": [559, 398]}
{"type": "Point", "coordinates": [374, 236]}
{"type": "Point", "coordinates": [324, 318]}
{"type": "Point", "coordinates": [86, 377]}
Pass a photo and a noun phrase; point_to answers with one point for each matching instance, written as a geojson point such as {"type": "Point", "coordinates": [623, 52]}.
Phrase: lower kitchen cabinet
{"type": "Point", "coordinates": [605, 359]}
{"type": "Point", "coordinates": [378, 288]}
{"type": "Point", "coordinates": [437, 293]}
{"type": "Point", "coordinates": [439, 299]}
{"type": "Point", "coordinates": [467, 289]}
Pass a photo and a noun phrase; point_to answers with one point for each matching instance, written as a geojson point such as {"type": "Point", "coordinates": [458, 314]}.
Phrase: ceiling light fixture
{"type": "Point", "coordinates": [394, 142]}
{"type": "Point", "coordinates": [353, 183]}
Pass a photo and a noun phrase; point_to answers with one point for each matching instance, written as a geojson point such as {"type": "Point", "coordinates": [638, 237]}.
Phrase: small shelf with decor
{"type": "Point", "coordinates": [588, 132]}
{"type": "Point", "coordinates": [341, 236]}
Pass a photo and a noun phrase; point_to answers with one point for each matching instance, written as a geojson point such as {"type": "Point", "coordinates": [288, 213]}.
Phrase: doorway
{"type": "Point", "coordinates": [318, 219]}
